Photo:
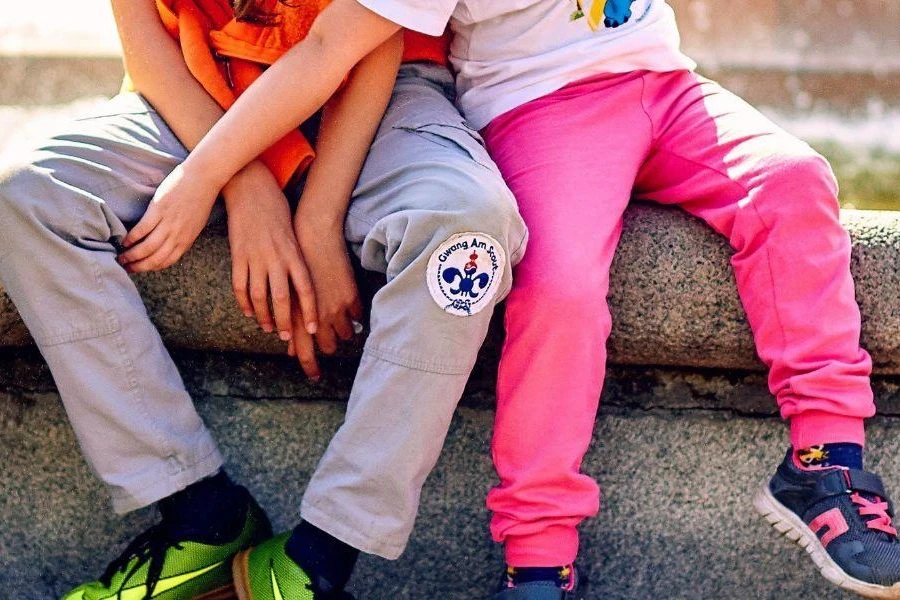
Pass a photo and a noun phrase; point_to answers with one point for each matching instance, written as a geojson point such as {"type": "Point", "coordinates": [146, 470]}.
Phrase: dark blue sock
{"type": "Point", "coordinates": [322, 556]}
{"type": "Point", "coordinates": [212, 510]}
{"type": "Point", "coordinates": [558, 575]}
{"type": "Point", "coordinates": [831, 455]}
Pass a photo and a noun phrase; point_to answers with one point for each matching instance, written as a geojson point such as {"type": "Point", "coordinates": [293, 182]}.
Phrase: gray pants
{"type": "Point", "coordinates": [428, 200]}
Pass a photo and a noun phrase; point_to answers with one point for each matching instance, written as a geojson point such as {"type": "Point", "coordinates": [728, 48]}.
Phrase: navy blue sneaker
{"type": "Point", "coordinates": [842, 517]}
{"type": "Point", "coordinates": [540, 590]}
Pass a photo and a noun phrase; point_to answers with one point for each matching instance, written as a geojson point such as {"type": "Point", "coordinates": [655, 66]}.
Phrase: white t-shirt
{"type": "Point", "coordinates": [507, 52]}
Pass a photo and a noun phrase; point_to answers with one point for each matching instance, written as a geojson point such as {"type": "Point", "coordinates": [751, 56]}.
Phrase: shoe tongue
{"type": "Point", "coordinates": [208, 512]}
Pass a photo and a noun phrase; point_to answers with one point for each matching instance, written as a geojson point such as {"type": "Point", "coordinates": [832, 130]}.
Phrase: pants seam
{"type": "Point", "coordinates": [82, 334]}
{"type": "Point", "coordinates": [519, 250]}
{"type": "Point", "coordinates": [358, 219]}
{"type": "Point", "coordinates": [393, 356]}
{"type": "Point", "coordinates": [130, 371]}
{"type": "Point", "coordinates": [128, 497]}
{"type": "Point", "coordinates": [755, 209]}
{"type": "Point", "coordinates": [112, 186]}
{"type": "Point", "coordinates": [743, 188]}
{"type": "Point", "coordinates": [644, 108]}
{"type": "Point", "coordinates": [772, 284]}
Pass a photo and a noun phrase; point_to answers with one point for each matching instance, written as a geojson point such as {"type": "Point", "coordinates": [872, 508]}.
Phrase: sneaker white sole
{"type": "Point", "coordinates": [793, 528]}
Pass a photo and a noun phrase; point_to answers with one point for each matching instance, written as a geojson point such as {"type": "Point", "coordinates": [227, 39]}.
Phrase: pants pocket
{"type": "Point", "coordinates": [456, 136]}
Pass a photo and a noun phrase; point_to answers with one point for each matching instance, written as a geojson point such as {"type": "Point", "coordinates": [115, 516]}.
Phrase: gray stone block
{"type": "Point", "coordinates": [675, 522]}
{"type": "Point", "coordinates": [673, 296]}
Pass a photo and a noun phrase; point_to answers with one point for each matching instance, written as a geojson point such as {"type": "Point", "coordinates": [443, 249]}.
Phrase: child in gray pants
{"type": "Point", "coordinates": [430, 211]}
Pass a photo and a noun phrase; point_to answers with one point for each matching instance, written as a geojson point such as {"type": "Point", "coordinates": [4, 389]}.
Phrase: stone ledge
{"type": "Point", "coordinates": [673, 297]}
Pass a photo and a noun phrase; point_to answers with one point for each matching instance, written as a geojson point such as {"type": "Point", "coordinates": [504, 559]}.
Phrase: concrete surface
{"type": "Point", "coordinates": [673, 296]}
{"type": "Point", "coordinates": [676, 520]}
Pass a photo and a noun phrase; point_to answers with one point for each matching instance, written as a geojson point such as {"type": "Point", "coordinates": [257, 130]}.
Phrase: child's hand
{"type": "Point", "coordinates": [265, 259]}
{"type": "Point", "coordinates": [325, 252]}
{"type": "Point", "coordinates": [177, 214]}
{"type": "Point", "coordinates": [302, 345]}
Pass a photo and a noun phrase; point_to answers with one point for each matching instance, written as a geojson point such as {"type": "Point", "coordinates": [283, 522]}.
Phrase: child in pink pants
{"type": "Point", "coordinates": [574, 158]}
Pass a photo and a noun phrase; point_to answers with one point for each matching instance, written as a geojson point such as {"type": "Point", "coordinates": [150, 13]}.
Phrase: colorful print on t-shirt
{"type": "Point", "coordinates": [612, 12]}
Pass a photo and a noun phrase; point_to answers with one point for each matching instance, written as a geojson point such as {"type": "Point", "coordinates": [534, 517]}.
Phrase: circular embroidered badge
{"type": "Point", "coordinates": [464, 273]}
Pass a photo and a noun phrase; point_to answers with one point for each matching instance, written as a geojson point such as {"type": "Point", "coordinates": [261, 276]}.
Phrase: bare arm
{"type": "Point", "coordinates": [156, 66]}
{"type": "Point", "coordinates": [289, 92]}
{"type": "Point", "coordinates": [265, 255]}
{"type": "Point", "coordinates": [349, 122]}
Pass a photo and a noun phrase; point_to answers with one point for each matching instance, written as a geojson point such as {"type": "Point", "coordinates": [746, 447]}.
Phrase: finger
{"type": "Point", "coordinates": [306, 295]}
{"type": "Point", "coordinates": [356, 309]}
{"type": "Point", "coordinates": [147, 246]}
{"type": "Point", "coordinates": [343, 326]}
{"type": "Point", "coordinates": [173, 257]}
{"type": "Point", "coordinates": [143, 227]}
{"type": "Point", "coordinates": [302, 343]}
{"type": "Point", "coordinates": [291, 351]}
{"type": "Point", "coordinates": [259, 297]}
{"type": "Point", "coordinates": [157, 261]}
{"type": "Point", "coordinates": [326, 339]}
{"type": "Point", "coordinates": [306, 354]}
{"type": "Point", "coordinates": [240, 278]}
{"type": "Point", "coordinates": [281, 304]}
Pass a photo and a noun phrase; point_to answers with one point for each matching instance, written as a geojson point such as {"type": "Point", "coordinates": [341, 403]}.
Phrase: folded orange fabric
{"type": "Point", "coordinates": [226, 56]}
{"type": "Point", "coordinates": [420, 47]}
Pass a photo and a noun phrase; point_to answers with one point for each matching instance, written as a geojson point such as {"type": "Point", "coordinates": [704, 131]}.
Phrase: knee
{"type": "Point", "coordinates": [800, 185]}
{"type": "Point", "coordinates": [479, 200]}
{"type": "Point", "coordinates": [447, 209]}
{"type": "Point", "coordinates": [35, 206]}
{"type": "Point", "coordinates": [11, 177]}
{"type": "Point", "coordinates": [808, 171]}
{"type": "Point", "coordinates": [15, 181]}
{"type": "Point", "coordinates": [489, 207]}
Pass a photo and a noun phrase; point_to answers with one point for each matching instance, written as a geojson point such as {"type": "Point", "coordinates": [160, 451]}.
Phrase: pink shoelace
{"type": "Point", "coordinates": [877, 509]}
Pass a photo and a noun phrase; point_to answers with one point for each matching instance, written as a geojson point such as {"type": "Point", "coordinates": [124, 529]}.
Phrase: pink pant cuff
{"type": "Point", "coordinates": [551, 547]}
{"type": "Point", "coordinates": [812, 428]}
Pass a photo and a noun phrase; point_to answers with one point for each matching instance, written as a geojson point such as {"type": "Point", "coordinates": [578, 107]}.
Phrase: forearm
{"type": "Point", "coordinates": [156, 66]}
{"type": "Point", "coordinates": [290, 91]}
{"type": "Point", "coordinates": [349, 123]}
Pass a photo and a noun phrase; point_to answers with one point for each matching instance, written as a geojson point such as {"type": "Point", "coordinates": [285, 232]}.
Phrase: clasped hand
{"type": "Point", "coordinates": [304, 270]}
{"type": "Point", "coordinates": [176, 215]}
{"type": "Point", "coordinates": [305, 290]}
{"type": "Point", "coordinates": [339, 307]}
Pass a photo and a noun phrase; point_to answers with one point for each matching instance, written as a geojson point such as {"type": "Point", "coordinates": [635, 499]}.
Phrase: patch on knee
{"type": "Point", "coordinates": [464, 273]}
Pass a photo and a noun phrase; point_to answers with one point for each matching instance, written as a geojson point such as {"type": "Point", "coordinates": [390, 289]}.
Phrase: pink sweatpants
{"type": "Point", "coordinates": [574, 159]}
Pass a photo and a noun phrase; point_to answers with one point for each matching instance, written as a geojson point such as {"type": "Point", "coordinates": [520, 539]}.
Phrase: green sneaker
{"type": "Point", "coordinates": [268, 573]}
{"type": "Point", "coordinates": [156, 566]}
